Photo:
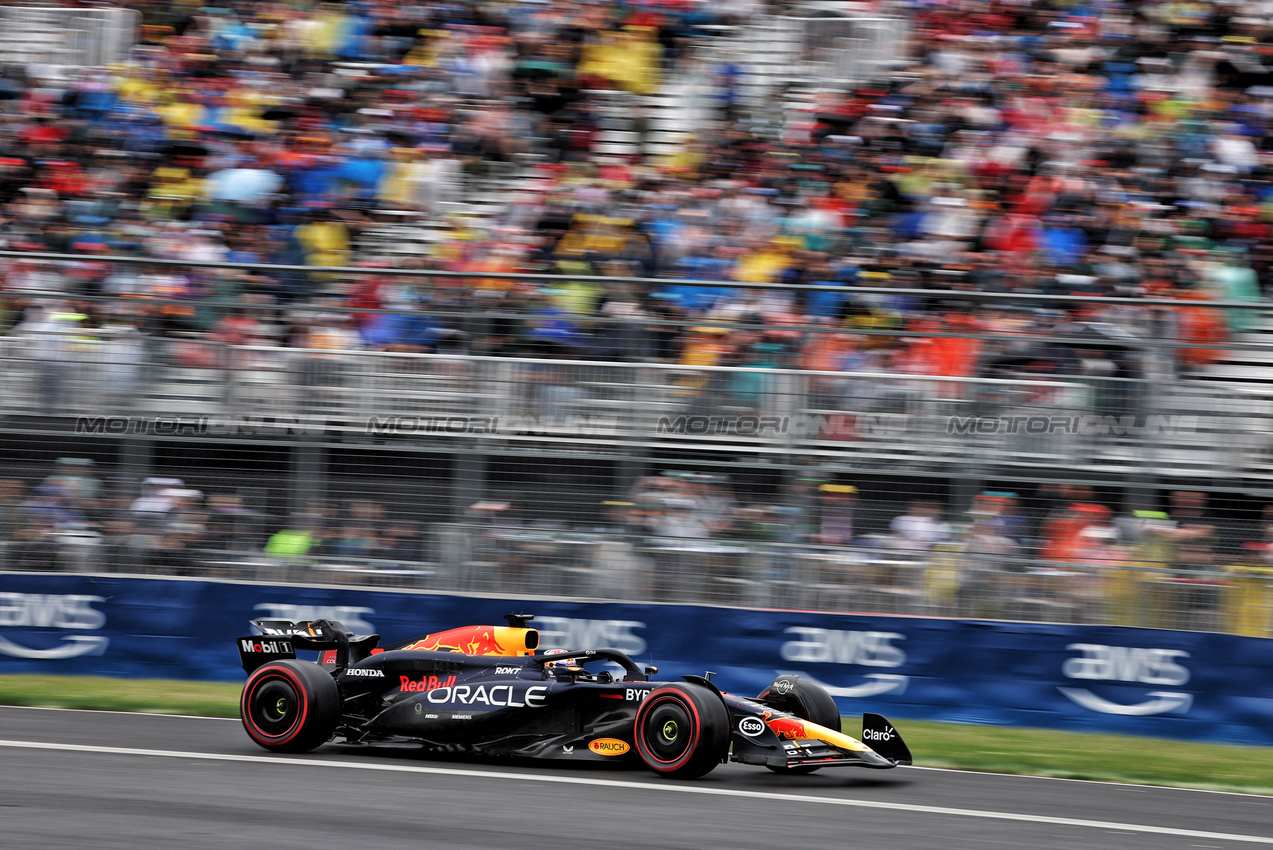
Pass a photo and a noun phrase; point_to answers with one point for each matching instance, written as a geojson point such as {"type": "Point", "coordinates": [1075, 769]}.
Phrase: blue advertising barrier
{"type": "Point", "coordinates": [1185, 685]}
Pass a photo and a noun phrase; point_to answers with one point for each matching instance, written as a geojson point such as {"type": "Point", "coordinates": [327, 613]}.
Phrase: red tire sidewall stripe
{"type": "Point", "coordinates": [302, 697]}
{"type": "Point", "coordinates": [646, 707]}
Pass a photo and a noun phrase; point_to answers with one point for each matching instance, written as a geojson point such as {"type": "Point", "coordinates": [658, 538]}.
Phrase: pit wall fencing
{"type": "Point", "coordinates": [1168, 684]}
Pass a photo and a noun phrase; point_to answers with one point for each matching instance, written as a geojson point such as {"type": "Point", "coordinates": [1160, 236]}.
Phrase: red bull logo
{"type": "Point", "coordinates": [426, 683]}
{"type": "Point", "coordinates": [475, 640]}
{"type": "Point", "coordinates": [786, 727]}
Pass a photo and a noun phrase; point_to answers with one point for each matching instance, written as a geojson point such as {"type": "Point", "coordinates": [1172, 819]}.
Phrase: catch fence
{"type": "Point", "coordinates": [824, 53]}
{"type": "Point", "coordinates": [1086, 497]}
{"type": "Point", "coordinates": [66, 36]}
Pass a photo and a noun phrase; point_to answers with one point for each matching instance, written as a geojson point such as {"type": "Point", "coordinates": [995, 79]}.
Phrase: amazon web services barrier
{"type": "Point", "coordinates": [1188, 685]}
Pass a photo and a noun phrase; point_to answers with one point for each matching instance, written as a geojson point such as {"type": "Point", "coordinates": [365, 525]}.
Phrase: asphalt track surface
{"type": "Point", "coordinates": [78, 779]}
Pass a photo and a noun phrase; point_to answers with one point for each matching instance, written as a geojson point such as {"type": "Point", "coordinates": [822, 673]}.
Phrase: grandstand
{"type": "Point", "coordinates": [887, 308]}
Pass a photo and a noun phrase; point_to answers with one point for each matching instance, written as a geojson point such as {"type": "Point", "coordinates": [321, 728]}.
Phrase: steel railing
{"type": "Point", "coordinates": [953, 579]}
{"type": "Point", "coordinates": [66, 36]}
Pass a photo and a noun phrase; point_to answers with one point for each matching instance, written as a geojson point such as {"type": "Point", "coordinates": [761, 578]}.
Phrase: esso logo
{"type": "Point", "coordinates": [751, 726]}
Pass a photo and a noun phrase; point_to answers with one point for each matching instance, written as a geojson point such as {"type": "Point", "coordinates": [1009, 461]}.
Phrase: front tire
{"type": "Point", "coordinates": [682, 731]}
{"type": "Point", "coordinates": [290, 706]}
{"type": "Point", "coordinates": [808, 702]}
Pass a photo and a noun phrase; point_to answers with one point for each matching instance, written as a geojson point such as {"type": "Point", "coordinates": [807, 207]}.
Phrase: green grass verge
{"type": "Point", "coordinates": [153, 696]}
{"type": "Point", "coordinates": [1073, 755]}
{"type": "Point", "coordinates": [999, 749]}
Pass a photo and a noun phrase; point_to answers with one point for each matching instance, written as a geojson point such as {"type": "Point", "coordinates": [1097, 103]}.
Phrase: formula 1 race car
{"type": "Point", "coordinates": [485, 690]}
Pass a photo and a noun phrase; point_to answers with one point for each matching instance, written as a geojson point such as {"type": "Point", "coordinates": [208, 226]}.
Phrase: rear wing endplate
{"type": "Point", "coordinates": [281, 638]}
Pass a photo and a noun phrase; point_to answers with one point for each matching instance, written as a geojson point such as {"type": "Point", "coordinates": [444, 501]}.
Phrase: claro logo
{"type": "Point", "coordinates": [68, 612]}
{"type": "Point", "coordinates": [1134, 665]}
{"type": "Point", "coordinates": [863, 649]}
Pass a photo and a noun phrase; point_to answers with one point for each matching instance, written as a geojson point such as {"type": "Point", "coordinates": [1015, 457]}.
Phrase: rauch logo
{"type": "Point", "coordinates": [864, 649]}
{"type": "Point", "coordinates": [68, 612]}
{"type": "Point", "coordinates": [1145, 666]}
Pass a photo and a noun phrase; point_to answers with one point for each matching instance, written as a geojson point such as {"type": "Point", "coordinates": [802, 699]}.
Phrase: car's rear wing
{"type": "Point", "coordinates": [281, 638]}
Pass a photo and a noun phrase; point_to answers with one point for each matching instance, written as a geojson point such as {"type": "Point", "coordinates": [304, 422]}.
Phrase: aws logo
{"type": "Point", "coordinates": [863, 649]}
{"type": "Point", "coordinates": [1145, 666]}
{"type": "Point", "coordinates": [67, 612]}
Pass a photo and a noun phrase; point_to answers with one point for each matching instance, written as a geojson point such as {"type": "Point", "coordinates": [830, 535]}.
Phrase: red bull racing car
{"type": "Point", "coordinates": [486, 690]}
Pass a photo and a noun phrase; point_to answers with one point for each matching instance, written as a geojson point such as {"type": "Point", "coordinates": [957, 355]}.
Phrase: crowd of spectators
{"type": "Point", "coordinates": [1060, 546]}
{"type": "Point", "coordinates": [1112, 148]}
{"type": "Point", "coordinates": [683, 536]}
{"type": "Point", "coordinates": [73, 519]}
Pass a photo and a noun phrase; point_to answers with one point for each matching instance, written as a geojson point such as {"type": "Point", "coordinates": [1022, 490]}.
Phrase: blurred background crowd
{"type": "Point", "coordinates": [689, 207]}
{"type": "Point", "coordinates": [1058, 552]}
{"type": "Point", "coordinates": [1104, 148]}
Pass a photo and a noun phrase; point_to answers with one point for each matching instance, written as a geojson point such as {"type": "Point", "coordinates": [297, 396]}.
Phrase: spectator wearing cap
{"type": "Point", "coordinates": [836, 507]}
{"type": "Point", "coordinates": [12, 518]}
{"type": "Point", "coordinates": [920, 527]}
{"type": "Point", "coordinates": [150, 510]}
{"type": "Point", "coordinates": [48, 335]}
{"type": "Point", "coordinates": [1194, 532]}
{"type": "Point", "coordinates": [1101, 555]}
{"type": "Point", "coordinates": [75, 479]}
{"type": "Point", "coordinates": [1063, 543]}
{"type": "Point", "coordinates": [708, 345]}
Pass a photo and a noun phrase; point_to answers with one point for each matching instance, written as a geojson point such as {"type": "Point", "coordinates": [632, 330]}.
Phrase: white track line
{"type": "Point", "coordinates": [935, 770]}
{"type": "Point", "coordinates": [119, 713]}
{"type": "Point", "coordinates": [968, 771]}
{"type": "Point", "coordinates": [665, 787]}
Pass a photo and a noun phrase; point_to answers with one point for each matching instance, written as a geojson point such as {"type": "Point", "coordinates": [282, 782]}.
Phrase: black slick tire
{"type": "Point", "coordinates": [682, 731]}
{"type": "Point", "coordinates": [290, 706]}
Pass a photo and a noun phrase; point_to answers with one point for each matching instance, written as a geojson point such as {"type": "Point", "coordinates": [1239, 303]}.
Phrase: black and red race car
{"type": "Point", "coordinates": [486, 690]}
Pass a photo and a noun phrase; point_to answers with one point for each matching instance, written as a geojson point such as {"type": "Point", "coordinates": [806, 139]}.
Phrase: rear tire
{"type": "Point", "coordinates": [290, 706]}
{"type": "Point", "coordinates": [682, 731]}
